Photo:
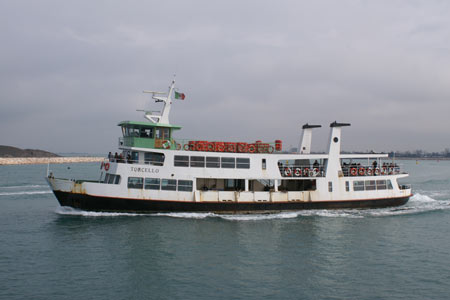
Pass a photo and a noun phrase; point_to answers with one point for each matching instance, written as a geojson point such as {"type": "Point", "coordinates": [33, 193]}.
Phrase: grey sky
{"type": "Point", "coordinates": [251, 70]}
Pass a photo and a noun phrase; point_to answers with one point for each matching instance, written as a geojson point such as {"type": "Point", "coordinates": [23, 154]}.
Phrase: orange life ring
{"type": "Point", "coordinates": [362, 171]}
{"type": "Point", "coordinates": [353, 171]}
{"type": "Point", "coordinates": [199, 147]}
{"type": "Point", "coordinates": [106, 166]}
{"type": "Point", "coordinates": [298, 172]}
{"type": "Point", "coordinates": [165, 144]}
{"type": "Point", "coordinates": [220, 147]}
{"type": "Point", "coordinates": [287, 172]}
{"type": "Point", "coordinates": [210, 147]}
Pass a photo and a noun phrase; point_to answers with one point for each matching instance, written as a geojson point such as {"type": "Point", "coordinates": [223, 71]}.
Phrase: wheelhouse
{"type": "Point", "coordinates": [147, 135]}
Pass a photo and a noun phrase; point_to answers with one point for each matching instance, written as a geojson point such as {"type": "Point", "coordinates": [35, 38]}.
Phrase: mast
{"type": "Point", "coordinates": [163, 118]}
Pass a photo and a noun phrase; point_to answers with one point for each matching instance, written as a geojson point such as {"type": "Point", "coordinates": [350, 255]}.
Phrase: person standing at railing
{"type": "Point", "coordinates": [110, 156]}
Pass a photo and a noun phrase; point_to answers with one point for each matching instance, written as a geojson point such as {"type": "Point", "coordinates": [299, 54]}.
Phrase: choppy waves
{"type": "Point", "coordinates": [419, 203]}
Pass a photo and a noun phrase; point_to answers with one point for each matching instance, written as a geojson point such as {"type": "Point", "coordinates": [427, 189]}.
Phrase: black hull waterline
{"type": "Point", "coordinates": [107, 204]}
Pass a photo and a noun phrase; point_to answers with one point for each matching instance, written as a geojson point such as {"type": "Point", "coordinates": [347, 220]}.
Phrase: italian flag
{"type": "Point", "coordinates": [179, 96]}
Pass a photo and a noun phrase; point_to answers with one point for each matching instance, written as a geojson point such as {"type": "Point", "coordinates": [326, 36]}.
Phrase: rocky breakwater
{"type": "Point", "coordinates": [16, 156]}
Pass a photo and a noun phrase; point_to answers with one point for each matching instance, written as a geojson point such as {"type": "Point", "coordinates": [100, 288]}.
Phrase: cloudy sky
{"type": "Point", "coordinates": [251, 70]}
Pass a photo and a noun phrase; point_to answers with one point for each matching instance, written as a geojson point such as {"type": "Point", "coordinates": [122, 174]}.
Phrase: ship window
{"type": "Point", "coordinates": [111, 179]}
{"type": "Point", "coordinates": [117, 180]}
{"type": "Point", "coordinates": [146, 132]}
{"type": "Point", "coordinates": [162, 133]}
{"type": "Point", "coordinates": [185, 185]}
{"type": "Point", "coordinates": [135, 182]}
{"type": "Point", "coordinates": [228, 162]}
{"type": "Point", "coordinates": [181, 161]}
{"type": "Point", "coordinates": [212, 162]}
{"type": "Point", "coordinates": [389, 185]}
{"type": "Point", "coordinates": [264, 166]}
{"type": "Point", "coordinates": [152, 183]}
{"type": "Point", "coordinates": [296, 185]}
{"type": "Point", "coordinates": [198, 161]}
{"type": "Point", "coordinates": [156, 159]}
{"type": "Point", "coordinates": [168, 185]}
{"type": "Point", "coordinates": [243, 163]}
{"type": "Point", "coordinates": [330, 186]}
{"type": "Point", "coordinates": [381, 184]}
{"type": "Point", "coordinates": [130, 131]}
{"type": "Point", "coordinates": [370, 185]}
{"type": "Point", "coordinates": [106, 178]}
{"type": "Point", "coordinates": [234, 184]}
{"type": "Point", "coordinates": [358, 186]}
{"type": "Point", "coordinates": [347, 186]}
{"type": "Point", "coordinates": [134, 157]}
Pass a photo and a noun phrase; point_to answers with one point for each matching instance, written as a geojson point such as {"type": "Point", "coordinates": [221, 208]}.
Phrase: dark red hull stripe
{"type": "Point", "coordinates": [95, 203]}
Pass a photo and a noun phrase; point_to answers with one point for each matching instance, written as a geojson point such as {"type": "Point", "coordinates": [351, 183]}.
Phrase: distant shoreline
{"type": "Point", "coordinates": [422, 158]}
{"type": "Point", "coordinates": [47, 160]}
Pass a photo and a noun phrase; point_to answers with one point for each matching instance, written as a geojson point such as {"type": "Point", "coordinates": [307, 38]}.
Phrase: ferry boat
{"type": "Point", "coordinates": [156, 172]}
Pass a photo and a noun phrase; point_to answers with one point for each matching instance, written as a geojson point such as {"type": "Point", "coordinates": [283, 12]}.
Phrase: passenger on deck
{"type": "Point", "coordinates": [110, 156]}
{"type": "Point", "coordinates": [116, 157]}
{"type": "Point", "coordinates": [316, 164]}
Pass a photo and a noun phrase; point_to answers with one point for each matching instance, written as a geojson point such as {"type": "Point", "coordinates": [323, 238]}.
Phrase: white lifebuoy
{"type": "Point", "coordinates": [287, 172]}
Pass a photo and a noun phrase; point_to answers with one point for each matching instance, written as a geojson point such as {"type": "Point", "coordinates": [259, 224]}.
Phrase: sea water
{"type": "Point", "coordinates": [50, 252]}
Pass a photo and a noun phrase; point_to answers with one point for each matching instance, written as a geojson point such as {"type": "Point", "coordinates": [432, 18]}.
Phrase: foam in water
{"type": "Point", "coordinates": [25, 193]}
{"type": "Point", "coordinates": [64, 210]}
{"type": "Point", "coordinates": [22, 186]}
